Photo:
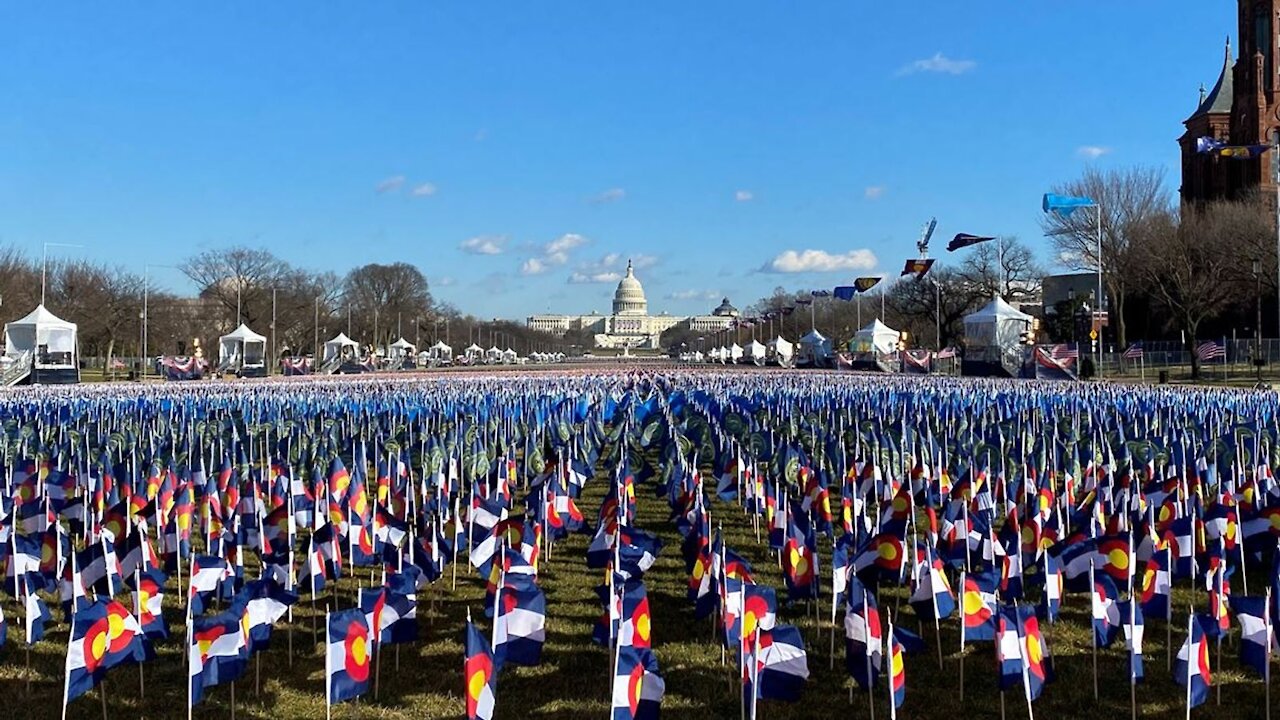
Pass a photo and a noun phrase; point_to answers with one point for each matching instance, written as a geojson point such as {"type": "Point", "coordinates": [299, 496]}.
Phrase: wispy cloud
{"type": "Point", "coordinates": [390, 184]}
{"type": "Point", "coordinates": [744, 196]}
{"type": "Point", "coordinates": [708, 295]}
{"type": "Point", "coordinates": [611, 195]}
{"type": "Point", "coordinates": [875, 192]}
{"type": "Point", "coordinates": [533, 266]}
{"type": "Point", "coordinates": [581, 278]}
{"type": "Point", "coordinates": [1092, 152]}
{"type": "Point", "coordinates": [423, 190]}
{"type": "Point", "coordinates": [445, 281]}
{"type": "Point", "coordinates": [939, 63]}
{"type": "Point", "coordinates": [551, 254]}
{"type": "Point", "coordinates": [484, 245]}
{"type": "Point", "coordinates": [820, 261]}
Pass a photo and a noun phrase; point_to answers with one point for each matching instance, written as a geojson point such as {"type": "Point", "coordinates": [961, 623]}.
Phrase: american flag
{"type": "Point", "coordinates": [1134, 352]}
{"type": "Point", "coordinates": [946, 352]}
{"type": "Point", "coordinates": [1064, 352]}
{"type": "Point", "coordinates": [1211, 350]}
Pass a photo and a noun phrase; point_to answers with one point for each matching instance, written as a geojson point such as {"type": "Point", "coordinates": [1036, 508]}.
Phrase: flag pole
{"type": "Point", "coordinates": [1093, 633]}
{"type": "Point", "coordinates": [962, 591]}
{"type": "Point", "coordinates": [1191, 618]}
{"type": "Point", "coordinates": [1266, 667]}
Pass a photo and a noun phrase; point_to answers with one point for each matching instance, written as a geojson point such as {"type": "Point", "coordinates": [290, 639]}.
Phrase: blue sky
{"type": "Point", "coordinates": [520, 152]}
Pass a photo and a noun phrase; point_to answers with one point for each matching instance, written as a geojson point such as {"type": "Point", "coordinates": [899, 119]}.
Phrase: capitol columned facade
{"type": "Point", "coordinates": [630, 326]}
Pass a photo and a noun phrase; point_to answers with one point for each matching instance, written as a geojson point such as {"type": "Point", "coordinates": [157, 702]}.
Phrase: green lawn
{"type": "Point", "coordinates": [573, 681]}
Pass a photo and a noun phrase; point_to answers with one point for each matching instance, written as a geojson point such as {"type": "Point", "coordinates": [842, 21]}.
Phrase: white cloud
{"type": "Point", "coordinates": [609, 196]}
{"type": "Point", "coordinates": [793, 261]}
{"type": "Point", "coordinates": [390, 184]}
{"type": "Point", "coordinates": [744, 196]}
{"type": "Point", "coordinates": [484, 245]}
{"type": "Point", "coordinates": [610, 276]}
{"type": "Point", "coordinates": [533, 266]}
{"type": "Point", "coordinates": [551, 254]}
{"type": "Point", "coordinates": [445, 281]}
{"type": "Point", "coordinates": [708, 295]}
{"type": "Point", "coordinates": [423, 190]}
{"type": "Point", "coordinates": [939, 63]}
{"type": "Point", "coordinates": [614, 263]}
{"type": "Point", "coordinates": [875, 192]}
{"type": "Point", "coordinates": [1092, 152]}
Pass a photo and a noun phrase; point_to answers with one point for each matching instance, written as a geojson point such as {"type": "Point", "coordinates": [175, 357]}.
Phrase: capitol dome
{"type": "Point", "coordinates": [629, 298]}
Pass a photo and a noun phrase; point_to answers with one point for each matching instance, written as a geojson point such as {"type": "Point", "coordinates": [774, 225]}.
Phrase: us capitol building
{"type": "Point", "coordinates": [630, 326]}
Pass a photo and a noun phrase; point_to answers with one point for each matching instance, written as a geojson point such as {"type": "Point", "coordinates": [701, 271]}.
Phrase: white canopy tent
{"type": "Point", "coordinates": [440, 353]}
{"type": "Point", "coordinates": [756, 353]}
{"type": "Point", "coordinates": [993, 338]}
{"type": "Point", "coordinates": [509, 357]}
{"type": "Point", "coordinates": [242, 349]}
{"type": "Point", "coordinates": [999, 324]}
{"type": "Point", "coordinates": [493, 355]}
{"type": "Point", "coordinates": [401, 348]}
{"type": "Point", "coordinates": [735, 353]}
{"type": "Point", "coordinates": [783, 350]}
{"type": "Point", "coordinates": [49, 340]}
{"type": "Point", "coordinates": [473, 353]}
{"type": "Point", "coordinates": [875, 337]}
{"type": "Point", "coordinates": [341, 346]}
{"type": "Point", "coordinates": [815, 349]}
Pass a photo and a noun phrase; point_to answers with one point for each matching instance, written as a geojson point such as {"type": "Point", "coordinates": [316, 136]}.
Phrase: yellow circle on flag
{"type": "Point", "coordinates": [642, 626]}
{"type": "Point", "coordinates": [1118, 558]}
{"type": "Point", "coordinates": [1034, 651]}
{"type": "Point", "coordinates": [973, 603]}
{"type": "Point", "coordinates": [359, 652]}
{"type": "Point", "coordinates": [475, 684]}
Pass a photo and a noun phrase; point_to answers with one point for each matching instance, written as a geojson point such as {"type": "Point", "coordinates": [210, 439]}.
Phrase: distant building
{"type": "Point", "coordinates": [630, 325]}
{"type": "Point", "coordinates": [1242, 109]}
{"type": "Point", "coordinates": [1057, 288]}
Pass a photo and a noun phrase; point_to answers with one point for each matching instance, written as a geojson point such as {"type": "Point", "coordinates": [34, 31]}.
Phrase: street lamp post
{"type": "Point", "coordinates": [1063, 206]}
{"type": "Point", "coordinates": [1257, 297]}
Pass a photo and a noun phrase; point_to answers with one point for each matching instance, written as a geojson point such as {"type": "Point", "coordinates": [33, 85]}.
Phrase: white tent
{"type": "Point", "coordinates": [509, 357]}
{"type": "Point", "coordinates": [401, 348]}
{"type": "Point", "coordinates": [341, 345]}
{"type": "Point", "coordinates": [493, 355]}
{"type": "Point", "coordinates": [473, 354]}
{"type": "Point", "coordinates": [999, 324]}
{"type": "Point", "coordinates": [756, 353]}
{"type": "Point", "coordinates": [49, 340]}
{"type": "Point", "coordinates": [242, 349]}
{"type": "Point", "coordinates": [441, 353]}
{"type": "Point", "coordinates": [783, 350]}
{"type": "Point", "coordinates": [814, 351]}
{"type": "Point", "coordinates": [875, 337]}
{"type": "Point", "coordinates": [735, 353]}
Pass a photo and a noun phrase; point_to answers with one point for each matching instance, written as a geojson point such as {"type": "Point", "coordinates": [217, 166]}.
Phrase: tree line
{"type": "Point", "coordinates": [1169, 272]}
{"type": "Point", "coordinates": [374, 304]}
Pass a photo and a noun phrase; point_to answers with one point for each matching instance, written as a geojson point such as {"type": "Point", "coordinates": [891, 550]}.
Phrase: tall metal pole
{"type": "Point", "coordinates": [1098, 207]}
{"type": "Point", "coordinates": [273, 329]}
{"type": "Point", "coordinates": [937, 312]}
{"type": "Point", "coordinates": [146, 277]}
{"type": "Point", "coordinates": [315, 357]}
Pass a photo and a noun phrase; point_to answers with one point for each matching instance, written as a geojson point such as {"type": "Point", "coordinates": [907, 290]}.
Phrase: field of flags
{"type": "Point", "coordinates": [759, 544]}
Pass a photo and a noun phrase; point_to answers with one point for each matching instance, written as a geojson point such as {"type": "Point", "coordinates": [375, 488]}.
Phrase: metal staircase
{"type": "Point", "coordinates": [17, 371]}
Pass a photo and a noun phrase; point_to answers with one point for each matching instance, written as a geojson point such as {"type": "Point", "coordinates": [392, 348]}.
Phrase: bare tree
{"type": "Point", "coordinates": [1126, 200]}
{"type": "Point", "coordinates": [1195, 266]}
{"type": "Point", "coordinates": [105, 301]}
{"type": "Point", "coordinates": [240, 280]}
{"type": "Point", "coordinates": [946, 295]}
{"type": "Point", "coordinates": [1006, 267]}
{"type": "Point", "coordinates": [379, 295]}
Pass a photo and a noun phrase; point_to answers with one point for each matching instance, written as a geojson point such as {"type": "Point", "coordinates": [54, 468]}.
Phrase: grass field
{"type": "Point", "coordinates": [573, 682]}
